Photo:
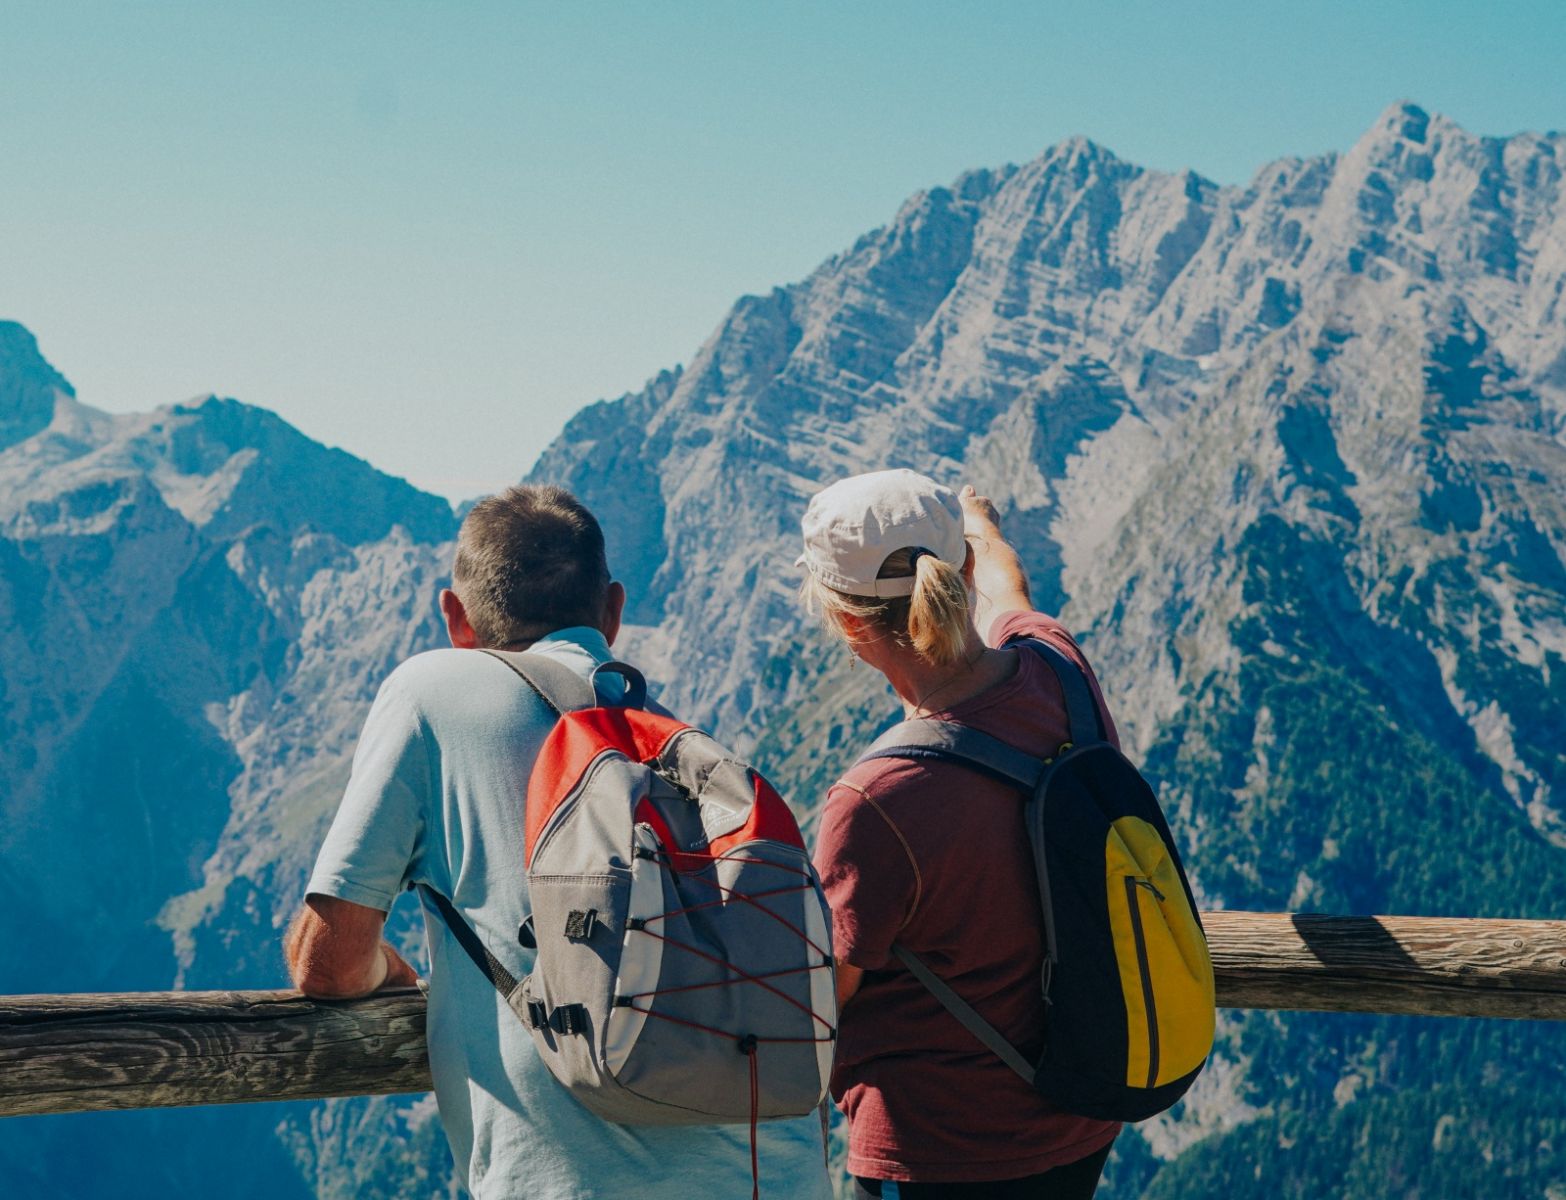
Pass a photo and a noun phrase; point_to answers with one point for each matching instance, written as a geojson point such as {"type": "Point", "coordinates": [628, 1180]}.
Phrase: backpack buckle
{"type": "Point", "coordinates": [569, 1019]}
{"type": "Point", "coordinates": [537, 1014]}
{"type": "Point", "coordinates": [579, 925]}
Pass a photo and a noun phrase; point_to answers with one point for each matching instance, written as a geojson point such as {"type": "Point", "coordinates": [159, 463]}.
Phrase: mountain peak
{"type": "Point", "coordinates": [1080, 149]}
{"type": "Point", "coordinates": [29, 386]}
{"type": "Point", "coordinates": [1402, 119]}
{"type": "Point", "coordinates": [270, 469]}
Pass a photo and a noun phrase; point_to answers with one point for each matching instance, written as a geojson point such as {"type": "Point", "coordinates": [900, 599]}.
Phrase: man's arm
{"type": "Point", "coordinates": [335, 951]}
{"type": "Point", "coordinates": [999, 582]}
{"type": "Point", "coordinates": [372, 850]}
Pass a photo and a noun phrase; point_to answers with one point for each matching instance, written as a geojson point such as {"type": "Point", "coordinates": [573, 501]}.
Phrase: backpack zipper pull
{"type": "Point", "coordinates": [1149, 885]}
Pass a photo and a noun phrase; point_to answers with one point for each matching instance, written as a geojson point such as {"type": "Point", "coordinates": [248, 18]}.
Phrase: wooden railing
{"type": "Point", "coordinates": [161, 1049]}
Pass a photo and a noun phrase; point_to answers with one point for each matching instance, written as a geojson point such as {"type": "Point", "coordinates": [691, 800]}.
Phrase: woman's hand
{"type": "Point", "coordinates": [979, 518]}
{"type": "Point", "coordinates": [1000, 584]}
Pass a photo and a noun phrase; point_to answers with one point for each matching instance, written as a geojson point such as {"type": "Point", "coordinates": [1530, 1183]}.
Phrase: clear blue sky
{"type": "Point", "coordinates": [430, 232]}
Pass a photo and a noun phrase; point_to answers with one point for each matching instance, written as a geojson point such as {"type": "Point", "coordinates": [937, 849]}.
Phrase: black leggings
{"type": "Point", "coordinates": [1074, 1181]}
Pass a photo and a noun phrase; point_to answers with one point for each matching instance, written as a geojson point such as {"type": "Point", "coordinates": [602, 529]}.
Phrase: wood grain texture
{"type": "Point", "coordinates": [159, 1049]}
{"type": "Point", "coordinates": [1430, 966]}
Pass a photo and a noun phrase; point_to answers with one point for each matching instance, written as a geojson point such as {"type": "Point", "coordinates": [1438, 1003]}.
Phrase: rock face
{"type": "Point", "coordinates": [197, 603]}
{"type": "Point", "coordinates": [1291, 457]}
{"type": "Point", "coordinates": [1140, 366]}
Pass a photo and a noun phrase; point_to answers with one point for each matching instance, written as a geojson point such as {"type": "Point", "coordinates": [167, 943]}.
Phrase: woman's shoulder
{"type": "Point", "coordinates": [885, 780]}
{"type": "Point", "coordinates": [890, 793]}
{"type": "Point", "coordinates": [1009, 627]}
{"type": "Point", "coordinates": [910, 798]}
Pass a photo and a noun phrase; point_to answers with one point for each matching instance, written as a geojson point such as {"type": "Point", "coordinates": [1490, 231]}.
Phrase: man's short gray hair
{"type": "Point", "coordinates": [530, 560]}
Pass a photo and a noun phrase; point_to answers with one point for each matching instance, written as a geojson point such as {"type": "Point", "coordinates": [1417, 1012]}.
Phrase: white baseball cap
{"type": "Point", "coordinates": [851, 527]}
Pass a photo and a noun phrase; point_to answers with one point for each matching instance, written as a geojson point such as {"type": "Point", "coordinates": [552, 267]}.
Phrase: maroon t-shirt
{"type": "Point", "coordinates": [934, 856]}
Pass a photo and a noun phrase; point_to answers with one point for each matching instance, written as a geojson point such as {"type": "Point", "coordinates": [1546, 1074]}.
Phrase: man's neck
{"type": "Point", "coordinates": [527, 642]}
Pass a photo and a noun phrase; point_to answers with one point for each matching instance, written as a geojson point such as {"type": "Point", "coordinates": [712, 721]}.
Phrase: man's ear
{"type": "Point", "coordinates": [614, 609]}
{"type": "Point", "coordinates": [457, 627]}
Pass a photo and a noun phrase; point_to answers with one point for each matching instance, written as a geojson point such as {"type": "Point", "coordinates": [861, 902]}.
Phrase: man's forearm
{"type": "Point", "coordinates": [337, 980]}
{"type": "Point", "coordinates": [335, 950]}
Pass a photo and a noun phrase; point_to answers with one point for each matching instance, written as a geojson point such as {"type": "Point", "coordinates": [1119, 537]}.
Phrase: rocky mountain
{"type": "Point", "coordinates": [1290, 456]}
{"type": "Point", "coordinates": [1141, 366]}
{"type": "Point", "coordinates": [196, 605]}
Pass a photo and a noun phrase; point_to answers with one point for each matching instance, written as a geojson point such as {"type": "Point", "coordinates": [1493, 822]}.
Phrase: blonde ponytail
{"type": "Point", "coordinates": [938, 611]}
{"type": "Point", "coordinates": [933, 621]}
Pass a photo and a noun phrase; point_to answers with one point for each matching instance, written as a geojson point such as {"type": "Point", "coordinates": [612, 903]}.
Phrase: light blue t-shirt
{"type": "Point", "coordinates": [437, 797]}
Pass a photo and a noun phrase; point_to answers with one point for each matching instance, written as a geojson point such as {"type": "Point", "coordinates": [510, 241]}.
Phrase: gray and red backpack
{"type": "Point", "coordinates": [684, 967]}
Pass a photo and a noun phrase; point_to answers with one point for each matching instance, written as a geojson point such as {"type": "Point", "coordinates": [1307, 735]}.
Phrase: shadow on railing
{"type": "Point", "coordinates": [162, 1049]}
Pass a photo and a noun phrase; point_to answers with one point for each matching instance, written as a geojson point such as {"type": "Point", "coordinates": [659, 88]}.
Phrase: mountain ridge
{"type": "Point", "coordinates": [934, 425]}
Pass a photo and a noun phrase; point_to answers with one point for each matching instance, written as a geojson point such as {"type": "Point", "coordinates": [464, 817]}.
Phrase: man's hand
{"type": "Point", "coordinates": [999, 582]}
{"type": "Point", "coordinates": [399, 972]}
{"type": "Point", "coordinates": [335, 951]}
{"type": "Point", "coordinates": [849, 977]}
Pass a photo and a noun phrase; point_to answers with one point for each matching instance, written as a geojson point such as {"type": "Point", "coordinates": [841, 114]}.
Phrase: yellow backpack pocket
{"type": "Point", "coordinates": [1166, 975]}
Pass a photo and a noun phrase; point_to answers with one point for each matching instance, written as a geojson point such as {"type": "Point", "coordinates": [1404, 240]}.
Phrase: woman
{"type": "Point", "coordinates": [920, 585]}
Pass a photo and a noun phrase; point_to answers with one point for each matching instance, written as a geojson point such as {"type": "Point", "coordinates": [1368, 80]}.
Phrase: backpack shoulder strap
{"type": "Point", "coordinates": [1081, 710]}
{"type": "Point", "coordinates": [556, 684]}
{"type": "Point", "coordinates": [467, 937]}
{"type": "Point", "coordinates": [563, 690]}
{"type": "Point", "coordinates": [965, 1013]}
{"type": "Point", "coordinates": [927, 738]}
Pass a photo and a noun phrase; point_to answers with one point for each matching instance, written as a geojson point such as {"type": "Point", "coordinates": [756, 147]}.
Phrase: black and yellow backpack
{"type": "Point", "coordinates": [1128, 984]}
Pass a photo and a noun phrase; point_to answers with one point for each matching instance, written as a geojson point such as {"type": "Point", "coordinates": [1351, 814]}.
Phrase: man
{"type": "Point", "coordinates": [437, 798]}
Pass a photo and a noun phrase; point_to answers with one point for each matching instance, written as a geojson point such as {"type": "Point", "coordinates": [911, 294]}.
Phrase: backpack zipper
{"type": "Point", "coordinates": [1035, 818]}
{"type": "Point", "coordinates": [567, 805]}
{"type": "Point", "coordinates": [1149, 885]}
{"type": "Point", "coordinates": [1139, 936]}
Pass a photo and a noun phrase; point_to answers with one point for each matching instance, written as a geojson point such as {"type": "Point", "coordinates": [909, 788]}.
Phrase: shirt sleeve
{"type": "Point", "coordinates": [373, 846]}
{"type": "Point", "coordinates": [1024, 624]}
{"type": "Point", "coordinates": [869, 877]}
